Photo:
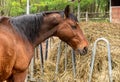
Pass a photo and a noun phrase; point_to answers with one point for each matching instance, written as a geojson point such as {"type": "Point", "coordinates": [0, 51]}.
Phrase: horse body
{"type": "Point", "coordinates": [12, 50]}
{"type": "Point", "coordinates": [20, 35]}
{"type": "Point", "coordinates": [6, 53]}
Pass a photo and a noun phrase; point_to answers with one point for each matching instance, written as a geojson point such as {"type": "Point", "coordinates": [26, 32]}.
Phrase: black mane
{"type": "Point", "coordinates": [28, 26]}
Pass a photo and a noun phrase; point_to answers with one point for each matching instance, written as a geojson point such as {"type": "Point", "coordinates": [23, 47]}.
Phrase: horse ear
{"type": "Point", "coordinates": [67, 11]}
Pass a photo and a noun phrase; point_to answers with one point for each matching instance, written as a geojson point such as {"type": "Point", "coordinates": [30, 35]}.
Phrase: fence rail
{"type": "Point", "coordinates": [86, 16]}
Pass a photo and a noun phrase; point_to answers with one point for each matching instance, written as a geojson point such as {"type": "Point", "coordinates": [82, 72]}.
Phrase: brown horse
{"type": "Point", "coordinates": [20, 35]}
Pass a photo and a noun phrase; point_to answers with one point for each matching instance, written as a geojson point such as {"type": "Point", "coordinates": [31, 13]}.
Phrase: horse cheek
{"type": "Point", "coordinates": [65, 33]}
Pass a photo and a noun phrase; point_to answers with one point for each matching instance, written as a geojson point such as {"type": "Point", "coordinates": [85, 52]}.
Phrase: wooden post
{"type": "Point", "coordinates": [86, 16]}
{"type": "Point", "coordinates": [28, 7]}
{"type": "Point", "coordinates": [27, 12]}
{"type": "Point", "coordinates": [79, 10]}
{"type": "Point", "coordinates": [110, 11]}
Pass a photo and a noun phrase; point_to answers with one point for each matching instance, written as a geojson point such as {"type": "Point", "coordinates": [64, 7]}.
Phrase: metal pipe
{"type": "Point", "coordinates": [93, 58]}
{"type": "Point", "coordinates": [46, 52]}
{"type": "Point", "coordinates": [58, 57]}
{"type": "Point", "coordinates": [73, 62]}
{"type": "Point", "coordinates": [65, 56]}
{"type": "Point", "coordinates": [41, 58]}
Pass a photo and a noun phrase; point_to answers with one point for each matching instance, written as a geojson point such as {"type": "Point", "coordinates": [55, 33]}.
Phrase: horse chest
{"type": "Point", "coordinates": [23, 57]}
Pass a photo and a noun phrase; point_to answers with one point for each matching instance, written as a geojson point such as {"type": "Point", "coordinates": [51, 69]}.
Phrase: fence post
{"type": "Point", "coordinates": [86, 16]}
{"type": "Point", "coordinates": [93, 58]}
{"type": "Point", "coordinates": [110, 11]}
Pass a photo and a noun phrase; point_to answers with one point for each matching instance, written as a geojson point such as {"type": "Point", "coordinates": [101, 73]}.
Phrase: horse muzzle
{"type": "Point", "coordinates": [83, 51]}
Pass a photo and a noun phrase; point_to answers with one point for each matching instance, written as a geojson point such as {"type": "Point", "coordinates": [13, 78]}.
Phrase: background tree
{"type": "Point", "coordinates": [18, 7]}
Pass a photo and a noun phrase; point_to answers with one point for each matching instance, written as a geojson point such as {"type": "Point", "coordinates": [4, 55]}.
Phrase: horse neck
{"type": "Point", "coordinates": [27, 26]}
{"type": "Point", "coordinates": [49, 27]}
{"type": "Point", "coordinates": [45, 35]}
{"type": "Point", "coordinates": [30, 27]}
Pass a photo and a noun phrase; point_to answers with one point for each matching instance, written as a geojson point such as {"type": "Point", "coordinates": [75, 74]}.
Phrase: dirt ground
{"type": "Point", "coordinates": [92, 31]}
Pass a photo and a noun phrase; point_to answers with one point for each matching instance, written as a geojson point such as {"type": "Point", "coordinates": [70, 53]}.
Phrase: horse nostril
{"type": "Point", "coordinates": [85, 49]}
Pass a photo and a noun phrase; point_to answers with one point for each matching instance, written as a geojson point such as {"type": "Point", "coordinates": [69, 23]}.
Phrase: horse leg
{"type": "Point", "coordinates": [18, 77]}
{"type": "Point", "coordinates": [10, 79]}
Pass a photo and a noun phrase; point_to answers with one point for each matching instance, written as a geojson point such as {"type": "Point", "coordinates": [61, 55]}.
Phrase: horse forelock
{"type": "Point", "coordinates": [73, 17]}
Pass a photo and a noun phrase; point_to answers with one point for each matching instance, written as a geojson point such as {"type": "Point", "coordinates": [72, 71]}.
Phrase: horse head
{"type": "Point", "coordinates": [70, 32]}
{"type": "Point", "coordinates": [67, 29]}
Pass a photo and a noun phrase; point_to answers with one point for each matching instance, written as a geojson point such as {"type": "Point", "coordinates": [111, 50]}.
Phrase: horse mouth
{"type": "Point", "coordinates": [83, 51]}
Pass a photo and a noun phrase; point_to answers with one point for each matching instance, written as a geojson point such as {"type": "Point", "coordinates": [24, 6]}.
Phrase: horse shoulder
{"type": "Point", "coordinates": [23, 56]}
{"type": "Point", "coordinates": [7, 56]}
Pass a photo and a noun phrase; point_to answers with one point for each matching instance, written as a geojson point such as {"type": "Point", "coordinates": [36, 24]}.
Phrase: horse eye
{"type": "Point", "coordinates": [73, 27]}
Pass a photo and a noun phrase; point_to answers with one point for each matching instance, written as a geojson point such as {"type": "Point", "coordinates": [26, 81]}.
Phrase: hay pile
{"type": "Point", "coordinates": [92, 31]}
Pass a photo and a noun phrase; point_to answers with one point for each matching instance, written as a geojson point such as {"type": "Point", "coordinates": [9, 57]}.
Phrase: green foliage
{"type": "Point", "coordinates": [18, 7]}
{"type": "Point", "coordinates": [16, 11]}
{"type": "Point", "coordinates": [23, 1]}
{"type": "Point", "coordinates": [86, 3]}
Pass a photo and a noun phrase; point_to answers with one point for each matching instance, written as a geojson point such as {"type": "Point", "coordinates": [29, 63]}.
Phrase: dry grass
{"type": "Point", "coordinates": [92, 31]}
